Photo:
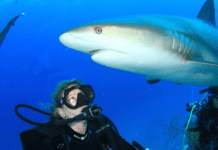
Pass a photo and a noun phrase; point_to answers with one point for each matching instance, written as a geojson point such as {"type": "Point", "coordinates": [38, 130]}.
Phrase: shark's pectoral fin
{"type": "Point", "coordinates": [207, 12]}
{"type": "Point", "coordinates": [207, 72]}
{"type": "Point", "coordinates": [197, 66]}
{"type": "Point", "coordinates": [195, 59]}
{"type": "Point", "coordinates": [152, 80]}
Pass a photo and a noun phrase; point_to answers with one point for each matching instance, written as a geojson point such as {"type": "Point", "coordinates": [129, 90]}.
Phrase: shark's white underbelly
{"type": "Point", "coordinates": [161, 65]}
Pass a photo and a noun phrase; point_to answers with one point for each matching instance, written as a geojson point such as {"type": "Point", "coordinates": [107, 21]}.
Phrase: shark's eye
{"type": "Point", "coordinates": [98, 30]}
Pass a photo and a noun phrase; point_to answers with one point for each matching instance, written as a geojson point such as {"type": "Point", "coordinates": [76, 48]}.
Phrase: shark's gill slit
{"type": "Point", "coordinates": [180, 43]}
{"type": "Point", "coordinates": [173, 46]}
{"type": "Point", "coordinates": [186, 45]}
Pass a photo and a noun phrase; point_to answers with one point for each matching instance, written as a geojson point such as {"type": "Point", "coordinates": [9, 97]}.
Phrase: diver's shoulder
{"type": "Point", "coordinates": [42, 131]}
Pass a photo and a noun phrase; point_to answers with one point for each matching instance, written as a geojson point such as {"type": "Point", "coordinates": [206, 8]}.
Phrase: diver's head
{"type": "Point", "coordinates": [213, 96]}
{"type": "Point", "coordinates": [69, 103]}
{"type": "Point", "coordinates": [70, 99]}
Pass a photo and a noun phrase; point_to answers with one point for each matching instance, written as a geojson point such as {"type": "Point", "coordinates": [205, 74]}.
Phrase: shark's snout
{"type": "Point", "coordinates": [67, 39]}
{"type": "Point", "coordinates": [75, 41]}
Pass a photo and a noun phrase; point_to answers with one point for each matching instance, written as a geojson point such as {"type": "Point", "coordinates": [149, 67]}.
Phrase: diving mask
{"type": "Point", "coordinates": [84, 98]}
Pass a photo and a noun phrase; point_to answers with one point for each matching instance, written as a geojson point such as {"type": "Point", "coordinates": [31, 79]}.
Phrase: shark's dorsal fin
{"type": "Point", "coordinates": [207, 12]}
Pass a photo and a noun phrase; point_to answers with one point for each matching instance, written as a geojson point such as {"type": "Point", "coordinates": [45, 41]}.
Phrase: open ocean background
{"type": "Point", "coordinates": [33, 61]}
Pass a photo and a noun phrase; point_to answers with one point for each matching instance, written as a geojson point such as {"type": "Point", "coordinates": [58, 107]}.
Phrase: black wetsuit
{"type": "Point", "coordinates": [89, 143]}
{"type": "Point", "coordinates": [34, 140]}
{"type": "Point", "coordinates": [101, 134]}
{"type": "Point", "coordinates": [51, 138]}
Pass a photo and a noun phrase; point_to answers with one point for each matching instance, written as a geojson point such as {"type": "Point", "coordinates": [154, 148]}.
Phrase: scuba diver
{"type": "Point", "coordinates": [4, 32]}
{"type": "Point", "coordinates": [203, 127]}
{"type": "Point", "coordinates": [74, 123]}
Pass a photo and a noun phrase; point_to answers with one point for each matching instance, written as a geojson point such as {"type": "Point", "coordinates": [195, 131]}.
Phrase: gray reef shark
{"type": "Point", "coordinates": [170, 48]}
{"type": "Point", "coordinates": [4, 32]}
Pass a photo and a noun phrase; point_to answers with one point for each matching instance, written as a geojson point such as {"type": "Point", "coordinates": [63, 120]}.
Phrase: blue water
{"type": "Point", "coordinates": [33, 61]}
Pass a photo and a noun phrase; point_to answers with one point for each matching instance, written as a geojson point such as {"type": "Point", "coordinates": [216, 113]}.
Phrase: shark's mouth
{"type": "Point", "coordinates": [96, 51]}
{"type": "Point", "coordinates": [93, 52]}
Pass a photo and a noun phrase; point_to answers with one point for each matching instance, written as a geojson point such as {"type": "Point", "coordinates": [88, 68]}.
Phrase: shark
{"type": "Point", "coordinates": [177, 49]}
{"type": "Point", "coordinates": [5, 30]}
